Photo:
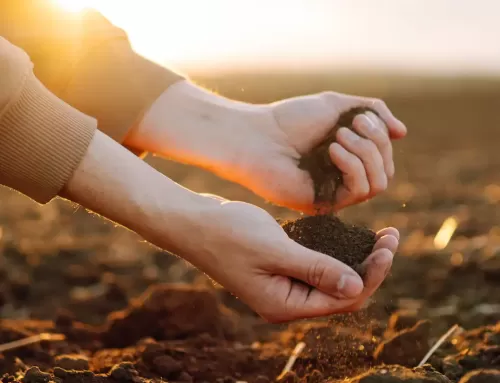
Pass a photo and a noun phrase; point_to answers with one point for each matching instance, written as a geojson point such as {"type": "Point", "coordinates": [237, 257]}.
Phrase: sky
{"type": "Point", "coordinates": [445, 36]}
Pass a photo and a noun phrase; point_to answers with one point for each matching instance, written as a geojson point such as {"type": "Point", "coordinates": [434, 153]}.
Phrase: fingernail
{"type": "Point", "coordinates": [368, 123]}
{"type": "Point", "coordinates": [349, 135]}
{"type": "Point", "coordinates": [349, 286]}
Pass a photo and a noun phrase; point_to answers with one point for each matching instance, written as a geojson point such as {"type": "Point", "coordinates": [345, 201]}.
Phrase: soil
{"type": "Point", "coordinates": [327, 234]}
{"type": "Point", "coordinates": [130, 313]}
{"type": "Point", "coordinates": [326, 176]}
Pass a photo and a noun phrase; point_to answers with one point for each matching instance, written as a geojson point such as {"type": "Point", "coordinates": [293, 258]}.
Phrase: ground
{"type": "Point", "coordinates": [129, 312]}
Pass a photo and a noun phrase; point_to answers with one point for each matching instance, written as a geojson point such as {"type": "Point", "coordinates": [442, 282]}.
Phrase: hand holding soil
{"type": "Point", "coordinates": [247, 251]}
{"type": "Point", "coordinates": [261, 146]}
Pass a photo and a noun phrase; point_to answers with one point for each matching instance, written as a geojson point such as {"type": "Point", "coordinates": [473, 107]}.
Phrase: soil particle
{"type": "Point", "coordinates": [290, 377]}
{"type": "Point", "coordinates": [21, 288]}
{"type": "Point", "coordinates": [406, 348]}
{"type": "Point", "coordinates": [34, 375]}
{"type": "Point", "coordinates": [401, 320]}
{"type": "Point", "coordinates": [72, 362]}
{"type": "Point", "coordinates": [315, 377]}
{"type": "Point", "coordinates": [71, 376]}
{"type": "Point", "coordinates": [78, 275]}
{"type": "Point", "coordinates": [450, 367]}
{"type": "Point", "coordinates": [166, 366]}
{"type": "Point", "coordinates": [481, 376]}
{"type": "Point", "coordinates": [327, 234]}
{"type": "Point", "coordinates": [124, 372]}
{"type": "Point", "coordinates": [262, 379]}
{"type": "Point", "coordinates": [326, 176]}
{"type": "Point", "coordinates": [396, 374]}
{"type": "Point", "coordinates": [227, 379]}
{"type": "Point", "coordinates": [184, 377]}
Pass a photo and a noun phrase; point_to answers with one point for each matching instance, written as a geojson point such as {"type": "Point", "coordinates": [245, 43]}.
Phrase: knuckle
{"type": "Point", "coordinates": [380, 185]}
{"type": "Point", "coordinates": [391, 172]}
{"type": "Point", "coordinates": [378, 104]}
{"type": "Point", "coordinates": [315, 273]}
{"type": "Point", "coordinates": [360, 120]}
{"type": "Point", "coordinates": [329, 96]}
{"type": "Point", "coordinates": [368, 148]}
{"type": "Point", "coordinates": [361, 189]}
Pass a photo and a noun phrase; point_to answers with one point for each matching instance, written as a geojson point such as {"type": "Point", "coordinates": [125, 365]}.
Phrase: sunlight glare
{"type": "Point", "coordinates": [390, 34]}
{"type": "Point", "coordinates": [445, 233]}
{"type": "Point", "coordinates": [74, 5]}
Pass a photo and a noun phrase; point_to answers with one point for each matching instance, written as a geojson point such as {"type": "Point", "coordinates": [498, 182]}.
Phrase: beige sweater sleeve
{"type": "Point", "coordinates": [42, 138]}
{"type": "Point", "coordinates": [86, 61]}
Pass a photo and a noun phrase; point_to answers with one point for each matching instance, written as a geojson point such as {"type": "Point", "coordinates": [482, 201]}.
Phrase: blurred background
{"type": "Point", "coordinates": [436, 64]}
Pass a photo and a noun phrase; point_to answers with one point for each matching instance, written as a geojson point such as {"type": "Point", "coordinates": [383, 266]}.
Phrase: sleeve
{"type": "Point", "coordinates": [42, 138]}
{"type": "Point", "coordinates": [88, 62]}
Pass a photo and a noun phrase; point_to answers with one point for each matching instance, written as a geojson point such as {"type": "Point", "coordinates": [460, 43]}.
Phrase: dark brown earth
{"type": "Point", "coordinates": [326, 176]}
{"type": "Point", "coordinates": [327, 234]}
{"type": "Point", "coordinates": [131, 313]}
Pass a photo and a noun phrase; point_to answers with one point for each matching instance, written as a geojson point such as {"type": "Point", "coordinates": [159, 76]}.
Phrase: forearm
{"type": "Point", "coordinates": [192, 125]}
{"type": "Point", "coordinates": [117, 185]}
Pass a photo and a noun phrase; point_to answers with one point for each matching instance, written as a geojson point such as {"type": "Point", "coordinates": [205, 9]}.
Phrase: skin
{"type": "Point", "coordinates": [257, 146]}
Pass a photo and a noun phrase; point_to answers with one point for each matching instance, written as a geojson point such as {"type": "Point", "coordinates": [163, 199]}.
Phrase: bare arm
{"type": "Point", "coordinates": [116, 184]}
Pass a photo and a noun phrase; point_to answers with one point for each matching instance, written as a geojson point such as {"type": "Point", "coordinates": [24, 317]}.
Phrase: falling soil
{"type": "Point", "coordinates": [326, 176]}
{"type": "Point", "coordinates": [327, 234]}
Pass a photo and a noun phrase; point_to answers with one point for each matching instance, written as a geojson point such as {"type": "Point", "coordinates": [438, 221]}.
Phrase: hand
{"type": "Point", "coordinates": [245, 250]}
{"type": "Point", "coordinates": [239, 245]}
{"type": "Point", "coordinates": [259, 146]}
{"type": "Point", "coordinates": [364, 156]}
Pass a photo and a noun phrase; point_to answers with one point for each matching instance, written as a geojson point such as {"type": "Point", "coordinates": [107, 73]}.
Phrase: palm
{"type": "Point", "coordinates": [363, 155]}
{"type": "Point", "coordinates": [300, 124]}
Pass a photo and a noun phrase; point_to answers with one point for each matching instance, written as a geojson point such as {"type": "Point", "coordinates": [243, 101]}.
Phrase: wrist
{"type": "Point", "coordinates": [194, 126]}
{"type": "Point", "coordinates": [117, 185]}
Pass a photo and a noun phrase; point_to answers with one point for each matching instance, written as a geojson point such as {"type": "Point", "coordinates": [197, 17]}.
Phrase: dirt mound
{"type": "Point", "coordinates": [327, 234]}
{"type": "Point", "coordinates": [170, 312]}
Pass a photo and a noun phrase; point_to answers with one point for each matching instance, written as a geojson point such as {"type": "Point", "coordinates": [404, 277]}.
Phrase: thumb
{"type": "Point", "coordinates": [325, 273]}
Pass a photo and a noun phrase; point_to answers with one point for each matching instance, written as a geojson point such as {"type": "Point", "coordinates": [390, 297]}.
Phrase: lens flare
{"type": "Point", "coordinates": [445, 233]}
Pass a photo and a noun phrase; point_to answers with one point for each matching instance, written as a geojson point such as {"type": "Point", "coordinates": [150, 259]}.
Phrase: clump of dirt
{"type": "Point", "coordinates": [481, 376]}
{"type": "Point", "coordinates": [397, 374]}
{"type": "Point", "coordinates": [170, 311]}
{"type": "Point", "coordinates": [327, 234]}
{"type": "Point", "coordinates": [326, 176]}
{"type": "Point", "coordinates": [406, 348]}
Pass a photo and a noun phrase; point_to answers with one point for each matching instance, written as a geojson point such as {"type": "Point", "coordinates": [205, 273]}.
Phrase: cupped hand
{"type": "Point", "coordinates": [364, 154]}
{"type": "Point", "coordinates": [245, 250]}
{"type": "Point", "coordinates": [259, 146]}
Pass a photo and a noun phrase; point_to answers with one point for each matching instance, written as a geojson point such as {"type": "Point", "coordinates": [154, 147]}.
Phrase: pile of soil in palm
{"type": "Point", "coordinates": [326, 176]}
{"type": "Point", "coordinates": [327, 234]}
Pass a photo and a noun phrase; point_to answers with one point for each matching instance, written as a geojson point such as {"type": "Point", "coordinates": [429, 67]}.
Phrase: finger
{"type": "Point", "coordinates": [318, 270]}
{"type": "Point", "coordinates": [303, 302]}
{"type": "Point", "coordinates": [355, 186]}
{"type": "Point", "coordinates": [214, 196]}
{"type": "Point", "coordinates": [377, 267]}
{"type": "Point", "coordinates": [396, 128]}
{"type": "Point", "coordinates": [388, 231]}
{"type": "Point", "coordinates": [388, 242]}
{"type": "Point", "coordinates": [372, 128]}
{"type": "Point", "coordinates": [369, 155]}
